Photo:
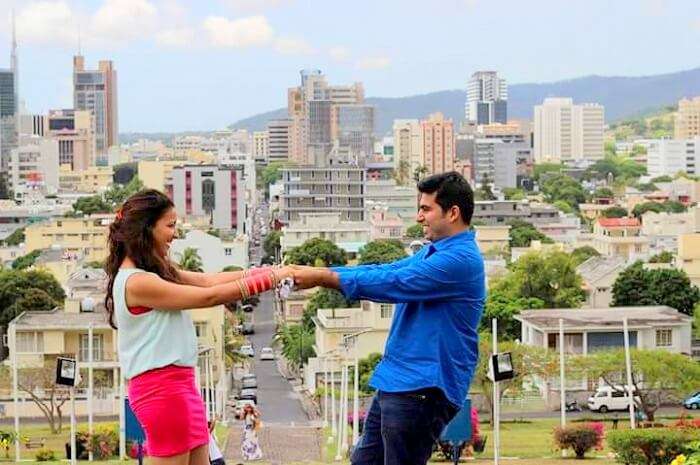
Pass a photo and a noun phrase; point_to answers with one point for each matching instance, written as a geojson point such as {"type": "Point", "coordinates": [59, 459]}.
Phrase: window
{"type": "Point", "coordinates": [59, 223]}
{"type": "Point", "coordinates": [664, 337]}
{"type": "Point", "coordinates": [386, 310]}
{"type": "Point", "coordinates": [97, 346]}
{"type": "Point", "coordinates": [618, 394]}
{"type": "Point", "coordinates": [30, 342]}
{"type": "Point", "coordinates": [200, 328]}
{"type": "Point", "coordinates": [227, 251]}
{"type": "Point", "coordinates": [84, 237]}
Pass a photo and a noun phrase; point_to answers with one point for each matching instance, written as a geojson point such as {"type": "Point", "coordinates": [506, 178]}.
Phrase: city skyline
{"type": "Point", "coordinates": [201, 67]}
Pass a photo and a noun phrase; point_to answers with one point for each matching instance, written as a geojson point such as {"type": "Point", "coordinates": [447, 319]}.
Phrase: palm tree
{"type": "Point", "coordinates": [190, 260]}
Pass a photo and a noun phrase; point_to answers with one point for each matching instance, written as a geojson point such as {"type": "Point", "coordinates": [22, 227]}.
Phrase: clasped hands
{"type": "Point", "coordinates": [306, 277]}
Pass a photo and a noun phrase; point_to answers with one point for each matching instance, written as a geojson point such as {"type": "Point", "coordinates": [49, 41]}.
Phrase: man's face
{"type": "Point", "coordinates": [435, 221]}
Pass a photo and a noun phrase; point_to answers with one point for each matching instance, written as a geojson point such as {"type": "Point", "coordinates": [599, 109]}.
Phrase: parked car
{"type": "Point", "coordinates": [249, 393]}
{"type": "Point", "coordinates": [247, 328]}
{"type": "Point", "coordinates": [266, 353]}
{"type": "Point", "coordinates": [692, 402]}
{"type": "Point", "coordinates": [249, 383]}
{"type": "Point", "coordinates": [248, 350]}
{"type": "Point", "coordinates": [608, 398]}
{"type": "Point", "coordinates": [240, 405]}
{"type": "Point", "coordinates": [247, 308]}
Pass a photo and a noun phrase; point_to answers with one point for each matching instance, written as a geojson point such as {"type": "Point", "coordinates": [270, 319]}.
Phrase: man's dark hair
{"type": "Point", "coordinates": [452, 189]}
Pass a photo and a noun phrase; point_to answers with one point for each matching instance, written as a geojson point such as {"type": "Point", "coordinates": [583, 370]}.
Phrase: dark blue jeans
{"type": "Point", "coordinates": [401, 427]}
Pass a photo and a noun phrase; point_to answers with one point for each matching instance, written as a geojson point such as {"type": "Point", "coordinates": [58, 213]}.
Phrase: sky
{"type": "Point", "coordinates": [203, 64]}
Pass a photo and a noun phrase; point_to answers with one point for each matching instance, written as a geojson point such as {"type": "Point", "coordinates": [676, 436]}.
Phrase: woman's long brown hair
{"type": "Point", "coordinates": [131, 235]}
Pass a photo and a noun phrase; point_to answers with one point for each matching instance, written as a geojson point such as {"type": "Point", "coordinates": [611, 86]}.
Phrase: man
{"type": "Point", "coordinates": [432, 348]}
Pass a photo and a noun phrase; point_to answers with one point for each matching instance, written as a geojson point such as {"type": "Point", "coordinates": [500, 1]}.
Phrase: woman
{"type": "Point", "coordinates": [145, 300]}
{"type": "Point", "coordinates": [250, 448]}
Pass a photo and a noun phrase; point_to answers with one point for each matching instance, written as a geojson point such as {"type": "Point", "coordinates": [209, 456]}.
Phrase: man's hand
{"type": "Point", "coordinates": [306, 277]}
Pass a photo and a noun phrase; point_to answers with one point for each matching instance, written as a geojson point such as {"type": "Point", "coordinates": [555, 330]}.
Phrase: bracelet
{"type": "Point", "coordinates": [243, 289]}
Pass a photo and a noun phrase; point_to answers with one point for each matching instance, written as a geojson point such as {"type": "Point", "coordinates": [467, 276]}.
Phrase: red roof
{"type": "Point", "coordinates": [618, 222]}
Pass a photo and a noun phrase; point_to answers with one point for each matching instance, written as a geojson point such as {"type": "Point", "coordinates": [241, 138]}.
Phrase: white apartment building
{"type": "Point", "coordinates": [567, 132]}
{"type": "Point", "coordinates": [408, 145]}
{"type": "Point", "coordinates": [215, 253]}
{"type": "Point", "coordinates": [348, 235]}
{"type": "Point", "coordinates": [399, 200]}
{"type": "Point", "coordinates": [487, 98]}
{"type": "Point", "coordinates": [278, 139]}
{"type": "Point", "coordinates": [261, 146]}
{"type": "Point", "coordinates": [34, 165]}
{"type": "Point", "coordinates": [668, 157]}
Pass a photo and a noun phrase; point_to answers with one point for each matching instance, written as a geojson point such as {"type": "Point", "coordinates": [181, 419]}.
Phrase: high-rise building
{"type": "Point", "coordinates": [502, 163]}
{"type": "Point", "coordinates": [337, 189]}
{"type": "Point", "coordinates": [408, 148]}
{"type": "Point", "coordinates": [687, 122]}
{"type": "Point", "coordinates": [567, 132]}
{"type": "Point", "coordinates": [487, 98]}
{"type": "Point", "coordinates": [33, 166]}
{"type": "Point", "coordinates": [261, 146]}
{"type": "Point", "coordinates": [668, 157]}
{"type": "Point", "coordinates": [438, 144]}
{"type": "Point", "coordinates": [309, 108]}
{"type": "Point", "coordinates": [75, 133]}
{"type": "Point", "coordinates": [352, 125]}
{"type": "Point", "coordinates": [9, 106]}
{"type": "Point", "coordinates": [278, 139]}
{"type": "Point", "coordinates": [96, 91]}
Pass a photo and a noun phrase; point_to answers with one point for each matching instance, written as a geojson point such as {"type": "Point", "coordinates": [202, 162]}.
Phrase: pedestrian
{"type": "Point", "coordinates": [146, 298]}
{"type": "Point", "coordinates": [215, 455]}
{"type": "Point", "coordinates": [250, 446]}
{"type": "Point", "coordinates": [432, 348]}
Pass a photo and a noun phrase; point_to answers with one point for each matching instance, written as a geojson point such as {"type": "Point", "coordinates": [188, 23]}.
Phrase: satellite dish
{"type": "Point", "coordinates": [87, 304]}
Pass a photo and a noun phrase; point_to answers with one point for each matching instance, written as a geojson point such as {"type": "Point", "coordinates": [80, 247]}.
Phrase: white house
{"type": "Point", "coordinates": [599, 275]}
{"type": "Point", "coordinates": [214, 252]}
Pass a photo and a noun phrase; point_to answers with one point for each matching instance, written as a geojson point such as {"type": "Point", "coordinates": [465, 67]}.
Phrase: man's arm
{"type": "Point", "coordinates": [440, 276]}
{"type": "Point", "coordinates": [385, 266]}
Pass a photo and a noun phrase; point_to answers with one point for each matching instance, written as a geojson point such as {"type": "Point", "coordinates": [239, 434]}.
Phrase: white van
{"type": "Point", "coordinates": [608, 398]}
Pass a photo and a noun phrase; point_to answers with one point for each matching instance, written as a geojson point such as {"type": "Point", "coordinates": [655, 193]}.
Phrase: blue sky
{"type": "Point", "coordinates": [199, 65]}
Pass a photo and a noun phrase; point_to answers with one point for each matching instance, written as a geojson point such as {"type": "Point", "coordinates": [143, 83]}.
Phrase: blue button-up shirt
{"type": "Point", "coordinates": [433, 340]}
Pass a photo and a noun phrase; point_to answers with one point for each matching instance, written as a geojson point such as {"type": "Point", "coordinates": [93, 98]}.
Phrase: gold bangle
{"type": "Point", "coordinates": [274, 278]}
{"type": "Point", "coordinates": [246, 273]}
{"type": "Point", "coordinates": [243, 288]}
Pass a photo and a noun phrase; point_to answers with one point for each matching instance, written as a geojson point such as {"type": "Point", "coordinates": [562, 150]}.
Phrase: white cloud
{"type": "Point", "coordinates": [47, 22]}
{"type": "Point", "coordinates": [238, 33]}
{"type": "Point", "coordinates": [339, 53]}
{"type": "Point", "coordinates": [183, 37]}
{"type": "Point", "coordinates": [124, 20]}
{"type": "Point", "coordinates": [293, 46]}
{"type": "Point", "coordinates": [256, 5]}
{"type": "Point", "coordinates": [373, 63]}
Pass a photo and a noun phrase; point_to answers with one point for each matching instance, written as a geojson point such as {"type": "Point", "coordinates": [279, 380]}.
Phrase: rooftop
{"type": "Point", "coordinates": [607, 318]}
{"type": "Point", "coordinates": [59, 319]}
{"type": "Point", "coordinates": [618, 222]}
{"type": "Point", "coordinates": [597, 267]}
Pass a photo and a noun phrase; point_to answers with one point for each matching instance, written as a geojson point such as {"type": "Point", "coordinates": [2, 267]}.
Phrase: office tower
{"type": "Point", "coordinates": [96, 91]}
{"type": "Point", "coordinates": [668, 157]}
{"type": "Point", "coordinates": [487, 98]}
{"type": "Point", "coordinates": [9, 106]}
{"type": "Point", "coordinates": [261, 146]}
{"type": "Point", "coordinates": [352, 125]}
{"type": "Point", "coordinates": [438, 144]}
{"type": "Point", "coordinates": [75, 133]}
{"type": "Point", "coordinates": [501, 162]}
{"type": "Point", "coordinates": [687, 122]}
{"type": "Point", "coordinates": [278, 139]}
{"type": "Point", "coordinates": [565, 132]}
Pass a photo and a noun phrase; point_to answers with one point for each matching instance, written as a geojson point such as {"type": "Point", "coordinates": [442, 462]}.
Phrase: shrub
{"type": "Point", "coordinates": [45, 455]}
{"type": "Point", "coordinates": [104, 443]}
{"type": "Point", "coordinates": [650, 446]}
{"type": "Point", "coordinates": [579, 438]}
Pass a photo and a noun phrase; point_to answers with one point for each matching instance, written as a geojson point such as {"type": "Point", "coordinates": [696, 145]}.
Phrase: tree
{"type": "Point", "coordinates": [638, 286]}
{"type": "Point", "coordinates": [657, 375]}
{"type": "Point", "coordinates": [581, 254]}
{"type": "Point", "coordinates": [419, 172]}
{"type": "Point", "coordinates": [324, 298]}
{"type": "Point", "coordinates": [415, 232]}
{"type": "Point", "coordinates": [90, 205]}
{"type": "Point", "coordinates": [118, 193]}
{"type": "Point", "coordinates": [670, 206]}
{"type": "Point", "coordinates": [271, 243]}
{"type": "Point", "coordinates": [603, 193]}
{"type": "Point", "coordinates": [190, 260]}
{"type": "Point", "coordinates": [39, 384]}
{"type": "Point", "coordinates": [365, 369]}
{"type": "Point", "coordinates": [14, 239]}
{"type": "Point", "coordinates": [271, 173]}
{"type": "Point", "coordinates": [15, 284]}
{"type": "Point", "coordinates": [614, 212]}
{"type": "Point", "coordinates": [381, 251]}
{"type": "Point", "coordinates": [232, 268]}
{"type": "Point", "coordinates": [662, 257]}
{"type": "Point", "coordinates": [522, 233]}
{"type": "Point", "coordinates": [402, 172]}
{"type": "Point", "coordinates": [297, 343]}
{"type": "Point", "coordinates": [501, 303]}
{"type": "Point", "coordinates": [26, 261]}
{"type": "Point", "coordinates": [696, 321]}
{"type": "Point", "coordinates": [550, 277]}
{"type": "Point", "coordinates": [484, 192]}
{"type": "Point", "coordinates": [33, 299]}
{"type": "Point", "coordinates": [513, 193]}
{"type": "Point", "coordinates": [317, 252]}
{"type": "Point", "coordinates": [563, 206]}
{"type": "Point", "coordinates": [562, 187]}
{"type": "Point", "coordinates": [541, 169]}
{"type": "Point", "coordinates": [664, 178]}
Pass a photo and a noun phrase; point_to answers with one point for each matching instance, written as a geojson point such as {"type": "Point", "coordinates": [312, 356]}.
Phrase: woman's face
{"type": "Point", "coordinates": [164, 232]}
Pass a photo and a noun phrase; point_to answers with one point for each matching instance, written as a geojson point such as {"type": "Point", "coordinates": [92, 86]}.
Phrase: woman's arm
{"type": "Point", "coordinates": [212, 279]}
{"type": "Point", "coordinates": [150, 290]}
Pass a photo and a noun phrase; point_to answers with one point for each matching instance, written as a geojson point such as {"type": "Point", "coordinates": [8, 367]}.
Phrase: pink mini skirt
{"type": "Point", "coordinates": [170, 409]}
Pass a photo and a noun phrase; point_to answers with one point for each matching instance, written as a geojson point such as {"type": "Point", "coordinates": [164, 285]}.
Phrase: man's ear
{"type": "Point", "coordinates": [454, 214]}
